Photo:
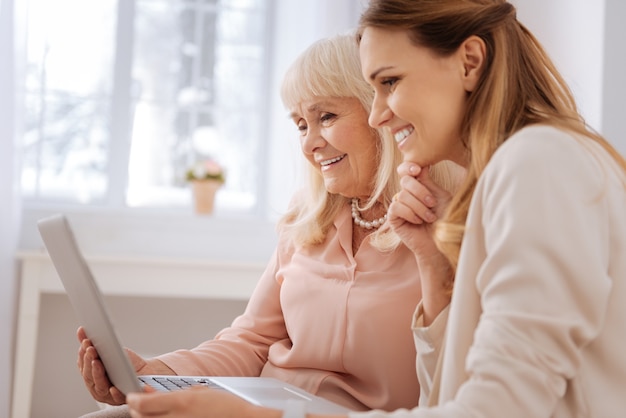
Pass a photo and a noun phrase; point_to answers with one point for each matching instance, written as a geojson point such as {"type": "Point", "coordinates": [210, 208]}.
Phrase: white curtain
{"type": "Point", "coordinates": [9, 201]}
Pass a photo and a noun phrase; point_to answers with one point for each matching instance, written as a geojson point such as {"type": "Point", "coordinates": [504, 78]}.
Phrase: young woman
{"type": "Point", "coordinates": [536, 234]}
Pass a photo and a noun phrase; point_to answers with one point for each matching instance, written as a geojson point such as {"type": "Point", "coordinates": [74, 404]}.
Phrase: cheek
{"type": "Point", "coordinates": [309, 158]}
{"type": "Point", "coordinates": [397, 103]}
{"type": "Point", "coordinates": [442, 113]}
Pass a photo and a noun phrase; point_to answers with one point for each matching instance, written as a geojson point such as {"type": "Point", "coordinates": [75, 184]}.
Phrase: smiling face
{"type": "Point", "coordinates": [419, 95]}
{"type": "Point", "coordinates": [336, 139]}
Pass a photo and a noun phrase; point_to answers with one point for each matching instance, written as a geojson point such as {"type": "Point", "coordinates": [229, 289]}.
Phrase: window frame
{"type": "Point", "coordinates": [163, 232]}
{"type": "Point", "coordinates": [120, 116]}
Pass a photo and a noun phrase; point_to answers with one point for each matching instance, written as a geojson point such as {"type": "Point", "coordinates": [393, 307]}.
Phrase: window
{"type": "Point", "coordinates": [123, 96]}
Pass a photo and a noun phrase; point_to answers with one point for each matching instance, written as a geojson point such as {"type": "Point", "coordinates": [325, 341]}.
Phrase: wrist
{"type": "Point", "coordinates": [437, 279]}
{"type": "Point", "coordinates": [155, 366]}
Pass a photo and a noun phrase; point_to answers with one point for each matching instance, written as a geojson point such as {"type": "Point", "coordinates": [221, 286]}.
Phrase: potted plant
{"type": "Point", "coordinates": [206, 177]}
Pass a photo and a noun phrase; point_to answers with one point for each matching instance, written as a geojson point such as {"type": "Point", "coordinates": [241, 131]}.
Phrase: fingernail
{"type": "Point", "coordinates": [430, 201]}
{"type": "Point", "coordinates": [413, 169]}
{"type": "Point", "coordinates": [430, 217]}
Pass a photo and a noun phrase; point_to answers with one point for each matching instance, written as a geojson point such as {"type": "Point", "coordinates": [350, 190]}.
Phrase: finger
{"type": "Point", "coordinates": [418, 198]}
{"type": "Point", "coordinates": [425, 178]}
{"type": "Point", "coordinates": [401, 210]}
{"type": "Point", "coordinates": [117, 396]}
{"type": "Point", "coordinates": [80, 334]}
{"type": "Point", "coordinates": [441, 193]}
{"type": "Point", "coordinates": [102, 384]}
{"type": "Point", "coordinates": [87, 373]}
{"type": "Point", "coordinates": [437, 191]}
{"type": "Point", "coordinates": [84, 344]}
{"type": "Point", "coordinates": [81, 358]}
{"type": "Point", "coordinates": [427, 193]}
{"type": "Point", "coordinates": [408, 168]}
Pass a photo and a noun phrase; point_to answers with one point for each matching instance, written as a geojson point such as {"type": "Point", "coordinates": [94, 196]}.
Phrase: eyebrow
{"type": "Point", "coordinates": [315, 107]}
{"type": "Point", "coordinates": [375, 73]}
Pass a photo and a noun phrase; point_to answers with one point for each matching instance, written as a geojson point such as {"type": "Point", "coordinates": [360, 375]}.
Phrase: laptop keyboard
{"type": "Point", "coordinates": [170, 383]}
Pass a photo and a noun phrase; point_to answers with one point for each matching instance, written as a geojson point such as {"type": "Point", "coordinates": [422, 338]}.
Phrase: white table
{"type": "Point", "coordinates": [123, 276]}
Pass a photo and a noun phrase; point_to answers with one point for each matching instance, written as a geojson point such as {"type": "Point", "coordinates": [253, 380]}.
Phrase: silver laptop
{"type": "Point", "coordinates": [89, 306]}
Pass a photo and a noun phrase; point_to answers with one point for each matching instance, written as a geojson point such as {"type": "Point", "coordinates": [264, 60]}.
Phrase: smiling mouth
{"type": "Point", "coordinates": [326, 163]}
{"type": "Point", "coordinates": [401, 135]}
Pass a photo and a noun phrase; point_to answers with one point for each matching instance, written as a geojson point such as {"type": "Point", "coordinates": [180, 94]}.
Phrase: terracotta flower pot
{"type": "Point", "coordinates": [204, 195]}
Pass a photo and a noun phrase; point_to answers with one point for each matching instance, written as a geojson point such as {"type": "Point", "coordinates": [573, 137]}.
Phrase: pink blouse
{"type": "Point", "coordinates": [332, 323]}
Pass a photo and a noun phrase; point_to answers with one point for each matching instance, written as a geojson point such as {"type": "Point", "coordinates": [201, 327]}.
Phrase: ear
{"type": "Point", "coordinates": [473, 54]}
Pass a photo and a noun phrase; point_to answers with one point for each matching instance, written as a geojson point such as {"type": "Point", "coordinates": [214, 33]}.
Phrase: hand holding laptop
{"type": "Point", "coordinates": [94, 373]}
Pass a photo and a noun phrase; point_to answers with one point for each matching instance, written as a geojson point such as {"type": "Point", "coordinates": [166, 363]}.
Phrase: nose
{"type": "Point", "coordinates": [312, 141]}
{"type": "Point", "coordinates": [380, 113]}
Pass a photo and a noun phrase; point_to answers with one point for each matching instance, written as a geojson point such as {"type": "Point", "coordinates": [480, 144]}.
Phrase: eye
{"type": "Point", "coordinates": [389, 82]}
{"type": "Point", "coordinates": [302, 126]}
{"type": "Point", "coordinates": [327, 117]}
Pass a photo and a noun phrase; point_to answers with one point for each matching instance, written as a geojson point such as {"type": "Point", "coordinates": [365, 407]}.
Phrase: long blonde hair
{"type": "Point", "coordinates": [519, 85]}
{"type": "Point", "coordinates": [331, 67]}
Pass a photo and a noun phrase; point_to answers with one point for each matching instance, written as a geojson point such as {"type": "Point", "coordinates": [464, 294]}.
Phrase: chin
{"type": "Point", "coordinates": [409, 158]}
{"type": "Point", "coordinates": [417, 158]}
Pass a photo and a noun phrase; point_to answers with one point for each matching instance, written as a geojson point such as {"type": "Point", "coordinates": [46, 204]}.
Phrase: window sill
{"type": "Point", "coordinates": [159, 233]}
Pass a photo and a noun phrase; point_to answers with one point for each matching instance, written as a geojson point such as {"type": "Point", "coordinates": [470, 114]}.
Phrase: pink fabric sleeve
{"type": "Point", "coordinates": [242, 348]}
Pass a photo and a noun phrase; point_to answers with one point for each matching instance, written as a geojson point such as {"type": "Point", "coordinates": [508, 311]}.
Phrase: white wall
{"type": "Point", "coordinates": [614, 87]}
{"type": "Point", "coordinates": [585, 40]}
{"type": "Point", "coordinates": [572, 33]}
{"type": "Point", "coordinates": [9, 213]}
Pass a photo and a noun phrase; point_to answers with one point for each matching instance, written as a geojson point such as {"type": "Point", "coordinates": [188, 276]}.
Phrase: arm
{"type": "Point", "coordinates": [411, 215]}
{"type": "Point", "coordinates": [211, 403]}
{"type": "Point", "coordinates": [242, 348]}
{"type": "Point", "coordinates": [532, 285]}
{"type": "Point", "coordinates": [203, 403]}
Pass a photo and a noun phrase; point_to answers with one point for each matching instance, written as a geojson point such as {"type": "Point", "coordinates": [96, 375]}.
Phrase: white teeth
{"type": "Point", "coordinates": [332, 160]}
{"type": "Point", "coordinates": [400, 135]}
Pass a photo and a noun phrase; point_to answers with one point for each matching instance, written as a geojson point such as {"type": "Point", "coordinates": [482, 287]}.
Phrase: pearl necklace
{"type": "Point", "coordinates": [356, 215]}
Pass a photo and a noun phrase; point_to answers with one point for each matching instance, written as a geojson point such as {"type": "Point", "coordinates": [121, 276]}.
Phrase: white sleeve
{"type": "Point", "coordinates": [428, 342]}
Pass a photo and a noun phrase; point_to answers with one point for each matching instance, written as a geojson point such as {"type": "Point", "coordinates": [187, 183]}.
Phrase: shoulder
{"type": "Point", "coordinates": [539, 143]}
{"type": "Point", "coordinates": [542, 168]}
{"type": "Point", "coordinates": [547, 154]}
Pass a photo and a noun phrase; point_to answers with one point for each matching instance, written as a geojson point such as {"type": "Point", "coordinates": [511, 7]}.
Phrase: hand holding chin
{"type": "Point", "coordinates": [416, 207]}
